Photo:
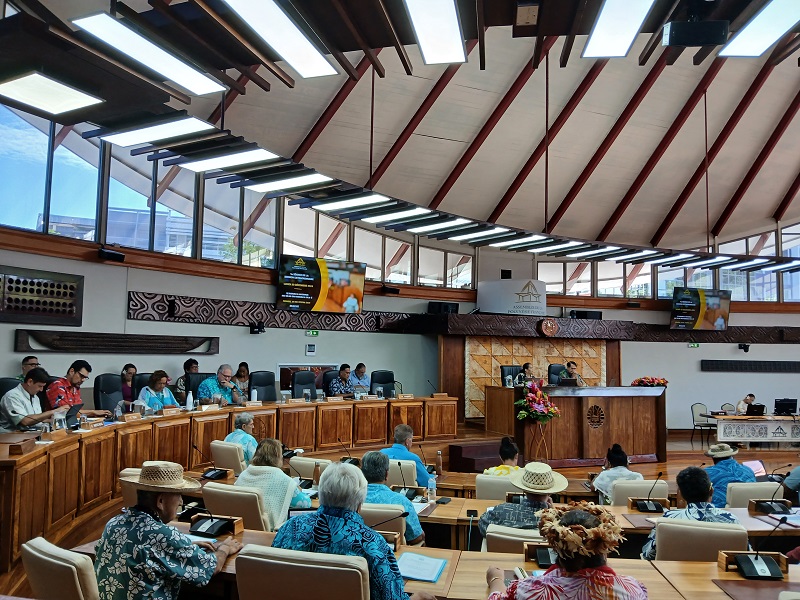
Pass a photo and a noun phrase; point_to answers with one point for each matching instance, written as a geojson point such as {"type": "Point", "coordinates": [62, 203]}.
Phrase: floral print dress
{"type": "Point", "coordinates": [600, 583]}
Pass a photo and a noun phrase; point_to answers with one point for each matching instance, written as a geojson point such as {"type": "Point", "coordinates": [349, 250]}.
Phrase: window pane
{"type": "Point", "coordinates": [398, 261]}
{"type": "Point", "coordinates": [734, 247]}
{"type": "Point", "coordinates": [221, 222]}
{"type": "Point", "coordinates": [10, 10]}
{"type": "Point", "coordinates": [763, 286]}
{"type": "Point", "coordinates": [553, 276]}
{"type": "Point", "coordinates": [700, 278]}
{"type": "Point", "coordinates": [639, 281]}
{"type": "Point", "coordinates": [128, 199]}
{"type": "Point", "coordinates": [23, 163]}
{"type": "Point", "coordinates": [459, 270]}
{"type": "Point", "coordinates": [260, 214]}
{"type": "Point", "coordinates": [299, 230]}
{"type": "Point", "coordinates": [762, 245]}
{"type": "Point", "coordinates": [790, 241]}
{"type": "Point", "coordinates": [431, 267]}
{"type": "Point", "coordinates": [332, 238]}
{"type": "Point", "coordinates": [579, 279]}
{"type": "Point", "coordinates": [73, 195]}
{"type": "Point", "coordinates": [735, 281]}
{"type": "Point", "coordinates": [668, 280]}
{"type": "Point", "coordinates": [175, 211]}
{"type": "Point", "coordinates": [609, 278]}
{"type": "Point", "coordinates": [367, 248]}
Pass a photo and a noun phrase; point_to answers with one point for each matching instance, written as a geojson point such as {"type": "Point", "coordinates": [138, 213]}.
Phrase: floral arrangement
{"type": "Point", "coordinates": [536, 405]}
{"type": "Point", "coordinates": [650, 382]}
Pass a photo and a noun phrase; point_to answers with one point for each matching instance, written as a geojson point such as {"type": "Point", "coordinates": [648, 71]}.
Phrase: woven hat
{"type": "Point", "coordinates": [538, 478]}
{"type": "Point", "coordinates": [162, 476]}
{"type": "Point", "coordinates": [721, 451]}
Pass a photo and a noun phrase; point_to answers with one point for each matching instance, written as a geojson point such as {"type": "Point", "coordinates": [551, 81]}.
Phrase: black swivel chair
{"type": "Point", "coordinates": [327, 377]}
{"type": "Point", "coordinates": [384, 379]}
{"type": "Point", "coordinates": [304, 380]}
{"type": "Point", "coordinates": [264, 383]}
{"type": "Point", "coordinates": [193, 381]}
{"type": "Point", "coordinates": [140, 381]}
{"type": "Point", "coordinates": [553, 372]}
{"type": "Point", "coordinates": [506, 370]}
{"type": "Point", "coordinates": [107, 391]}
{"type": "Point", "coordinates": [43, 400]}
{"type": "Point", "coordinates": [9, 383]}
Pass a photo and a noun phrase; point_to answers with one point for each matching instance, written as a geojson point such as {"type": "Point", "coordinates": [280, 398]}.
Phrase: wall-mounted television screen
{"type": "Point", "coordinates": [319, 285]}
{"type": "Point", "coordinates": [694, 308]}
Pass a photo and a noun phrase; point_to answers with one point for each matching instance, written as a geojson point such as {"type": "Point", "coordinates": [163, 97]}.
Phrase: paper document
{"type": "Point", "coordinates": [420, 567]}
{"type": "Point", "coordinates": [198, 538]}
{"type": "Point", "coordinates": [419, 506]}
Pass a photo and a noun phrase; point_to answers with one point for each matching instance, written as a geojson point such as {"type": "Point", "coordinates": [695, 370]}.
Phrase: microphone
{"type": "Point", "coordinates": [776, 468]}
{"type": "Point", "coordinates": [408, 493]}
{"type": "Point", "coordinates": [701, 465]}
{"type": "Point", "coordinates": [400, 384]}
{"type": "Point", "coordinates": [648, 505]}
{"type": "Point", "coordinates": [772, 507]}
{"type": "Point", "coordinates": [213, 472]}
{"type": "Point", "coordinates": [304, 483]}
{"type": "Point", "coordinates": [211, 526]}
{"type": "Point", "coordinates": [429, 468]}
{"type": "Point", "coordinates": [402, 515]}
{"type": "Point", "coordinates": [433, 387]}
{"type": "Point", "coordinates": [754, 566]}
{"type": "Point", "coordinates": [349, 460]}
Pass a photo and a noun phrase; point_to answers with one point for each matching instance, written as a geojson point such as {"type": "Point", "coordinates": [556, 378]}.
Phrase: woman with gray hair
{"type": "Point", "coordinates": [242, 434]}
{"type": "Point", "coordinates": [337, 528]}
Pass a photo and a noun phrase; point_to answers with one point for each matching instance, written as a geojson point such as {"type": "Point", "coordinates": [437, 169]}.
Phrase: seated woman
{"type": "Point", "coordinates": [265, 472]}
{"type": "Point", "coordinates": [582, 535]}
{"type": "Point", "coordinates": [156, 394]}
{"type": "Point", "coordinates": [242, 378]}
{"type": "Point", "coordinates": [140, 556]}
{"type": "Point", "coordinates": [337, 528]}
{"type": "Point", "coordinates": [128, 373]}
{"type": "Point", "coordinates": [243, 435]}
{"type": "Point", "coordinates": [525, 375]}
{"type": "Point", "coordinates": [509, 454]}
{"type": "Point", "coordinates": [616, 467]}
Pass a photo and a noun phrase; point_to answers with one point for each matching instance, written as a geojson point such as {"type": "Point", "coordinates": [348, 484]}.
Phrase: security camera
{"type": "Point", "coordinates": [744, 347]}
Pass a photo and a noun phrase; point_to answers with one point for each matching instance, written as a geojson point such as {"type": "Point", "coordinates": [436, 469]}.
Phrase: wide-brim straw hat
{"type": "Point", "coordinates": [721, 451]}
{"type": "Point", "coordinates": [162, 476]}
{"type": "Point", "coordinates": [539, 478]}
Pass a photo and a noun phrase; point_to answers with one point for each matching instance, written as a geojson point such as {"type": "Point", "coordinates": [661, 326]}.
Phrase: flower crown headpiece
{"type": "Point", "coordinates": [569, 540]}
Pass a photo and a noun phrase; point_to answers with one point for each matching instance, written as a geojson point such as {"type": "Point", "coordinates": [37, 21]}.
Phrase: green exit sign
{"type": "Point", "coordinates": [312, 332]}
{"type": "Point", "coordinates": [695, 345]}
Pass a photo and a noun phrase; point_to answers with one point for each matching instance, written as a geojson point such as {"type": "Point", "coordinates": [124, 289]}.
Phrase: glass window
{"type": "Point", "coordinates": [129, 199]}
{"type": "Point", "coordinates": [397, 257]}
{"type": "Point", "coordinates": [762, 245]}
{"type": "Point", "coordinates": [790, 244]}
{"type": "Point", "coordinates": [579, 279]}
{"type": "Point", "coordinates": [668, 279]}
{"type": "Point", "coordinates": [221, 222]}
{"type": "Point", "coordinates": [299, 230]}
{"type": "Point", "coordinates": [367, 248]}
{"type": "Point", "coordinates": [23, 164]}
{"type": "Point", "coordinates": [431, 267]}
{"type": "Point", "coordinates": [174, 232]}
{"type": "Point", "coordinates": [763, 286]}
{"type": "Point", "coordinates": [553, 276]}
{"type": "Point", "coordinates": [331, 238]}
{"type": "Point", "coordinates": [736, 281]}
{"type": "Point", "coordinates": [639, 281]}
{"type": "Point", "coordinates": [610, 280]}
{"type": "Point", "coordinates": [459, 270]}
{"type": "Point", "coordinates": [10, 10]}
{"type": "Point", "coordinates": [700, 278]}
{"type": "Point", "coordinates": [260, 218]}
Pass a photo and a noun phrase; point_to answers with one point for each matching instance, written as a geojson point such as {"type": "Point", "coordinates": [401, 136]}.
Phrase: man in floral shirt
{"type": "Point", "coordinates": [341, 386]}
{"type": "Point", "coordinates": [140, 556]}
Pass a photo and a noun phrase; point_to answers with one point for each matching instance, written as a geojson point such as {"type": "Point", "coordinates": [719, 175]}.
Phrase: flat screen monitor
{"type": "Point", "coordinates": [694, 308]}
{"type": "Point", "coordinates": [568, 381]}
{"type": "Point", "coordinates": [785, 406]}
{"type": "Point", "coordinates": [755, 410]}
{"type": "Point", "coordinates": [320, 285]}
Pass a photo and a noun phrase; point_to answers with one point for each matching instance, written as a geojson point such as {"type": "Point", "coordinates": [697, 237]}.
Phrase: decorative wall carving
{"type": "Point", "coordinates": [40, 297]}
{"type": "Point", "coordinates": [85, 342]}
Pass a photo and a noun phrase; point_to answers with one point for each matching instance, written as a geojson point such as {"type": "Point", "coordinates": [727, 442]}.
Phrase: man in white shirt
{"type": "Point", "coordinates": [741, 407]}
{"type": "Point", "coordinates": [20, 408]}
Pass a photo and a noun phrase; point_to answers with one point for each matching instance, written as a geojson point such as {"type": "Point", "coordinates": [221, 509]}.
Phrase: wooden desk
{"type": "Point", "coordinates": [297, 425]}
{"type": "Point", "coordinates": [369, 422]}
{"type": "Point", "coordinates": [441, 418]}
{"type": "Point", "coordinates": [500, 410]}
{"type": "Point", "coordinates": [694, 579]}
{"type": "Point", "coordinates": [410, 412]}
{"type": "Point", "coordinates": [334, 423]}
{"type": "Point", "coordinates": [441, 587]}
{"type": "Point", "coordinates": [743, 428]}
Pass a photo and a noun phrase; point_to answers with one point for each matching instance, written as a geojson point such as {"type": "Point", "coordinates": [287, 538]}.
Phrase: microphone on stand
{"type": "Point", "coordinates": [771, 475]}
{"type": "Point", "coordinates": [429, 468]}
{"type": "Point", "coordinates": [701, 465]}
{"type": "Point", "coordinates": [349, 460]}
{"type": "Point", "coordinates": [212, 473]}
{"type": "Point", "coordinates": [648, 506]}
{"type": "Point", "coordinates": [771, 507]}
{"type": "Point", "coordinates": [433, 387]}
{"type": "Point", "coordinates": [754, 566]}
{"type": "Point", "coordinates": [402, 515]}
{"type": "Point", "coordinates": [400, 384]}
{"type": "Point", "coordinates": [288, 455]}
{"type": "Point", "coordinates": [409, 493]}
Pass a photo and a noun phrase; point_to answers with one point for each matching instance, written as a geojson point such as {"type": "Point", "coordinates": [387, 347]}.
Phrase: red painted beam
{"type": "Point", "coordinates": [539, 151]}
{"type": "Point", "coordinates": [423, 109]}
{"type": "Point", "coordinates": [662, 147]}
{"type": "Point", "coordinates": [62, 135]}
{"type": "Point", "coordinates": [787, 199]}
{"type": "Point", "coordinates": [330, 111]}
{"type": "Point", "coordinates": [761, 159]}
{"type": "Point", "coordinates": [328, 244]}
{"type": "Point", "coordinates": [623, 119]}
{"type": "Point", "coordinates": [490, 124]}
{"type": "Point", "coordinates": [715, 149]}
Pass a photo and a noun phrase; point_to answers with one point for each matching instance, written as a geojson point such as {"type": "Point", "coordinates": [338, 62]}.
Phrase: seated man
{"type": "Point", "coordinates": [375, 466]}
{"type": "Point", "coordinates": [66, 391]}
{"type": "Point", "coordinates": [741, 406]}
{"type": "Point", "coordinates": [726, 470]}
{"type": "Point", "coordinates": [20, 407]}
{"type": "Point", "coordinates": [359, 377]}
{"type": "Point", "coordinates": [341, 386]}
{"type": "Point", "coordinates": [182, 385]}
{"type": "Point", "coordinates": [28, 363]}
{"type": "Point", "coordinates": [696, 489]}
{"type": "Point", "coordinates": [337, 528]}
{"type": "Point", "coordinates": [571, 372]}
{"type": "Point", "coordinates": [525, 375]}
{"type": "Point", "coordinates": [538, 481]}
{"type": "Point", "coordinates": [401, 450]}
{"type": "Point", "coordinates": [616, 468]}
{"type": "Point", "coordinates": [220, 385]}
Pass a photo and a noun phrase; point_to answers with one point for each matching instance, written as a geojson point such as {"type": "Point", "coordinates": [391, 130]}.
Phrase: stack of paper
{"type": "Point", "coordinates": [420, 567]}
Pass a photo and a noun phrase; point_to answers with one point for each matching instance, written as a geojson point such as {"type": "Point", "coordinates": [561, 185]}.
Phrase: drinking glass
{"type": "Point", "coordinates": [321, 397]}
{"type": "Point", "coordinates": [379, 392]}
{"type": "Point", "coordinates": [392, 393]}
{"type": "Point", "coordinates": [307, 395]}
{"type": "Point", "coordinates": [216, 398]}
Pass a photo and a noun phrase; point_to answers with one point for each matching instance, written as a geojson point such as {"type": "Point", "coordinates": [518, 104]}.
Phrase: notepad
{"type": "Point", "coordinates": [420, 567]}
{"type": "Point", "coordinates": [419, 506]}
{"type": "Point", "coordinates": [197, 538]}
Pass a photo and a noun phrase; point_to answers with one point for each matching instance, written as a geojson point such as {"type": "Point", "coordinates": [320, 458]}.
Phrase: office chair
{"type": "Point", "coordinates": [237, 501]}
{"type": "Point", "coordinates": [58, 574]}
{"type": "Point", "coordinates": [738, 495]}
{"type": "Point", "coordinates": [264, 383]}
{"type": "Point", "coordinates": [384, 379]}
{"type": "Point", "coordinates": [508, 539]}
{"type": "Point", "coordinates": [9, 383]}
{"type": "Point", "coordinates": [621, 490]}
{"type": "Point", "coordinates": [327, 377]}
{"type": "Point", "coordinates": [553, 372]}
{"type": "Point", "coordinates": [681, 540]}
{"type": "Point", "coordinates": [107, 391]}
{"type": "Point", "coordinates": [506, 370]}
{"type": "Point", "coordinates": [301, 381]}
{"type": "Point", "coordinates": [193, 381]}
{"type": "Point", "coordinates": [139, 382]}
{"type": "Point", "coordinates": [228, 455]}
{"type": "Point", "coordinates": [492, 487]}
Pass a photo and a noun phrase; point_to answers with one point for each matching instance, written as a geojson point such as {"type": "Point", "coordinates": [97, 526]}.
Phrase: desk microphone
{"type": "Point", "coordinates": [304, 483]}
{"type": "Point", "coordinates": [701, 465]}
{"type": "Point", "coordinates": [433, 387]}
{"type": "Point", "coordinates": [753, 566]}
{"type": "Point", "coordinates": [772, 507]}
{"type": "Point", "coordinates": [648, 506]}
{"type": "Point", "coordinates": [776, 468]}
{"type": "Point", "coordinates": [402, 515]}
{"type": "Point", "coordinates": [212, 473]}
{"type": "Point", "coordinates": [430, 468]}
{"type": "Point", "coordinates": [349, 460]}
{"type": "Point", "coordinates": [408, 492]}
{"type": "Point", "coordinates": [400, 384]}
{"type": "Point", "coordinates": [211, 526]}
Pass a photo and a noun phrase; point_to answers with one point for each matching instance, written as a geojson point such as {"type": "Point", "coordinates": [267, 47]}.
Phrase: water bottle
{"type": "Point", "coordinates": [254, 395]}
{"type": "Point", "coordinates": [509, 381]}
{"type": "Point", "coordinates": [438, 462]}
{"type": "Point", "coordinates": [431, 490]}
{"type": "Point", "coordinates": [315, 476]}
{"type": "Point", "coordinates": [189, 401]}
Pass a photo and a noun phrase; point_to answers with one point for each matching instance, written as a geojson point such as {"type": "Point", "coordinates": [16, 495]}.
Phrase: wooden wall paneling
{"type": "Point", "coordinates": [6, 512]}
{"type": "Point", "coordinates": [206, 428]}
{"type": "Point", "coordinates": [644, 426]}
{"type": "Point", "coordinates": [408, 412]}
{"type": "Point", "coordinates": [134, 445]}
{"type": "Point", "coordinates": [369, 423]}
{"type": "Point", "coordinates": [334, 423]}
{"type": "Point", "coordinates": [452, 369]}
{"type": "Point", "coordinates": [297, 425]}
{"type": "Point", "coordinates": [28, 516]}
{"type": "Point", "coordinates": [661, 427]}
{"type": "Point", "coordinates": [265, 421]}
{"type": "Point", "coordinates": [500, 410]}
{"type": "Point", "coordinates": [596, 441]}
{"type": "Point", "coordinates": [565, 432]}
{"type": "Point", "coordinates": [613, 363]}
{"type": "Point", "coordinates": [98, 473]}
{"type": "Point", "coordinates": [171, 439]}
{"type": "Point", "coordinates": [441, 418]}
{"type": "Point", "coordinates": [62, 483]}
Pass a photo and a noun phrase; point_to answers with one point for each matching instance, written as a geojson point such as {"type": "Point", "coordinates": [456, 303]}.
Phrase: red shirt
{"type": "Point", "coordinates": [62, 393]}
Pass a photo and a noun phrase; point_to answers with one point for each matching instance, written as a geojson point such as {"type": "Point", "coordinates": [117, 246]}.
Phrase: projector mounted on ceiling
{"type": "Point", "coordinates": [695, 33]}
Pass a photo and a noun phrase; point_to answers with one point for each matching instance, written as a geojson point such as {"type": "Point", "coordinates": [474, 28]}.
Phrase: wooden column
{"type": "Point", "coordinates": [452, 370]}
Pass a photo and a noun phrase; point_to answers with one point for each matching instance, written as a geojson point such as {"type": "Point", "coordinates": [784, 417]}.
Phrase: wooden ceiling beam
{"type": "Point", "coordinates": [787, 51]}
{"type": "Point", "coordinates": [655, 37]}
{"type": "Point", "coordinates": [569, 40]}
{"type": "Point", "coordinates": [791, 193]}
{"type": "Point", "coordinates": [481, 35]}
{"type": "Point", "coordinates": [372, 55]}
{"type": "Point", "coordinates": [398, 45]}
{"type": "Point", "coordinates": [737, 22]}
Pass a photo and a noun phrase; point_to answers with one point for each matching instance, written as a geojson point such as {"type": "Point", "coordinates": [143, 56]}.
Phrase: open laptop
{"type": "Point", "coordinates": [72, 416]}
{"type": "Point", "coordinates": [755, 410]}
{"type": "Point", "coordinates": [568, 382]}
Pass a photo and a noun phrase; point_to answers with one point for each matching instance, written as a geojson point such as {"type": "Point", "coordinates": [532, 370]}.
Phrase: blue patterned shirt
{"type": "Point", "coordinates": [138, 556]}
{"type": "Point", "coordinates": [725, 472]}
{"type": "Point", "coordinates": [339, 531]}
{"type": "Point", "coordinates": [400, 452]}
{"type": "Point", "coordinates": [210, 386]}
{"type": "Point", "coordinates": [157, 401]}
{"type": "Point", "coordinates": [337, 387]}
{"type": "Point", "coordinates": [245, 440]}
{"type": "Point", "coordinates": [699, 511]}
{"type": "Point", "coordinates": [378, 493]}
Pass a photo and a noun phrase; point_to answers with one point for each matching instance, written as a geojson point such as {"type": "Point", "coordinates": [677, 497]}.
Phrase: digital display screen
{"type": "Point", "coordinates": [694, 308]}
{"type": "Point", "coordinates": [320, 285]}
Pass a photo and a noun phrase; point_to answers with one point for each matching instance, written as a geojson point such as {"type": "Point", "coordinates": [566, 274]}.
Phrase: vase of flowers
{"type": "Point", "coordinates": [649, 382]}
{"type": "Point", "coordinates": [536, 410]}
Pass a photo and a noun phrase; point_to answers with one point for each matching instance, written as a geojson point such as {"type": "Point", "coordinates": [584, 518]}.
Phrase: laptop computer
{"type": "Point", "coordinates": [72, 416]}
{"type": "Point", "coordinates": [755, 410]}
{"type": "Point", "coordinates": [568, 382]}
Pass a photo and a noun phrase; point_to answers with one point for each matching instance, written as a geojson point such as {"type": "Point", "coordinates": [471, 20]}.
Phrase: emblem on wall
{"type": "Point", "coordinates": [548, 327]}
{"type": "Point", "coordinates": [595, 417]}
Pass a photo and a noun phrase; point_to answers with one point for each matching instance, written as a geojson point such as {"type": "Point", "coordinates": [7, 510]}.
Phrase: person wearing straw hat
{"type": "Point", "coordinates": [726, 470]}
{"type": "Point", "coordinates": [538, 481]}
{"type": "Point", "coordinates": [140, 556]}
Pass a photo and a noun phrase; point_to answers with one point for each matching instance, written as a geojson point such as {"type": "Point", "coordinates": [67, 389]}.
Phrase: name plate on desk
{"type": "Point", "coordinates": [253, 403]}
{"type": "Point", "coordinates": [95, 423]}
{"type": "Point", "coordinates": [297, 401]}
{"type": "Point", "coordinates": [167, 412]}
{"type": "Point", "coordinates": [22, 446]}
{"type": "Point", "coordinates": [405, 396]}
{"type": "Point", "coordinates": [335, 399]}
{"type": "Point", "coordinates": [207, 407]}
{"type": "Point", "coordinates": [128, 417]}
{"type": "Point", "coordinates": [439, 395]}
{"type": "Point", "coordinates": [369, 396]}
{"type": "Point", "coordinates": [52, 436]}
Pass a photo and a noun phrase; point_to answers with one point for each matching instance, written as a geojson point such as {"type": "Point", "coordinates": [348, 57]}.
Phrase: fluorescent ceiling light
{"type": "Point", "coordinates": [106, 28]}
{"type": "Point", "coordinates": [763, 30]}
{"type": "Point", "coordinates": [664, 259]}
{"type": "Point", "coordinates": [641, 254]}
{"type": "Point", "coordinates": [352, 203]}
{"type": "Point", "coordinates": [514, 242]}
{"type": "Point", "coordinates": [478, 234]}
{"type": "Point", "coordinates": [781, 267]}
{"type": "Point", "coordinates": [706, 262]}
{"type": "Point", "coordinates": [750, 263]}
{"type": "Point", "coordinates": [289, 183]}
{"type": "Point", "coordinates": [45, 94]}
{"type": "Point", "coordinates": [556, 247]}
{"type": "Point", "coordinates": [616, 27]}
{"type": "Point", "coordinates": [156, 133]}
{"type": "Point", "coordinates": [437, 30]}
{"type": "Point", "coordinates": [229, 160]}
{"type": "Point", "coordinates": [592, 252]}
{"type": "Point", "coordinates": [273, 26]}
{"type": "Point", "coordinates": [437, 226]}
{"type": "Point", "coordinates": [413, 212]}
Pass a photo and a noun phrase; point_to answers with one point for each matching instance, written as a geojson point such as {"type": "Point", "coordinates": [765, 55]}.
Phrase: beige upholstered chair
{"type": "Point", "coordinates": [227, 455]}
{"type": "Point", "coordinates": [493, 487]}
{"type": "Point", "coordinates": [508, 539]}
{"type": "Point", "coordinates": [305, 466]}
{"type": "Point", "coordinates": [621, 490]}
{"type": "Point", "coordinates": [237, 501]}
{"type": "Point", "coordinates": [376, 513]}
{"type": "Point", "coordinates": [58, 574]}
{"type": "Point", "coordinates": [738, 495]}
{"type": "Point", "coordinates": [789, 596]}
{"type": "Point", "coordinates": [262, 567]}
{"type": "Point", "coordinates": [679, 539]}
{"type": "Point", "coordinates": [128, 491]}
{"type": "Point", "coordinates": [409, 473]}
